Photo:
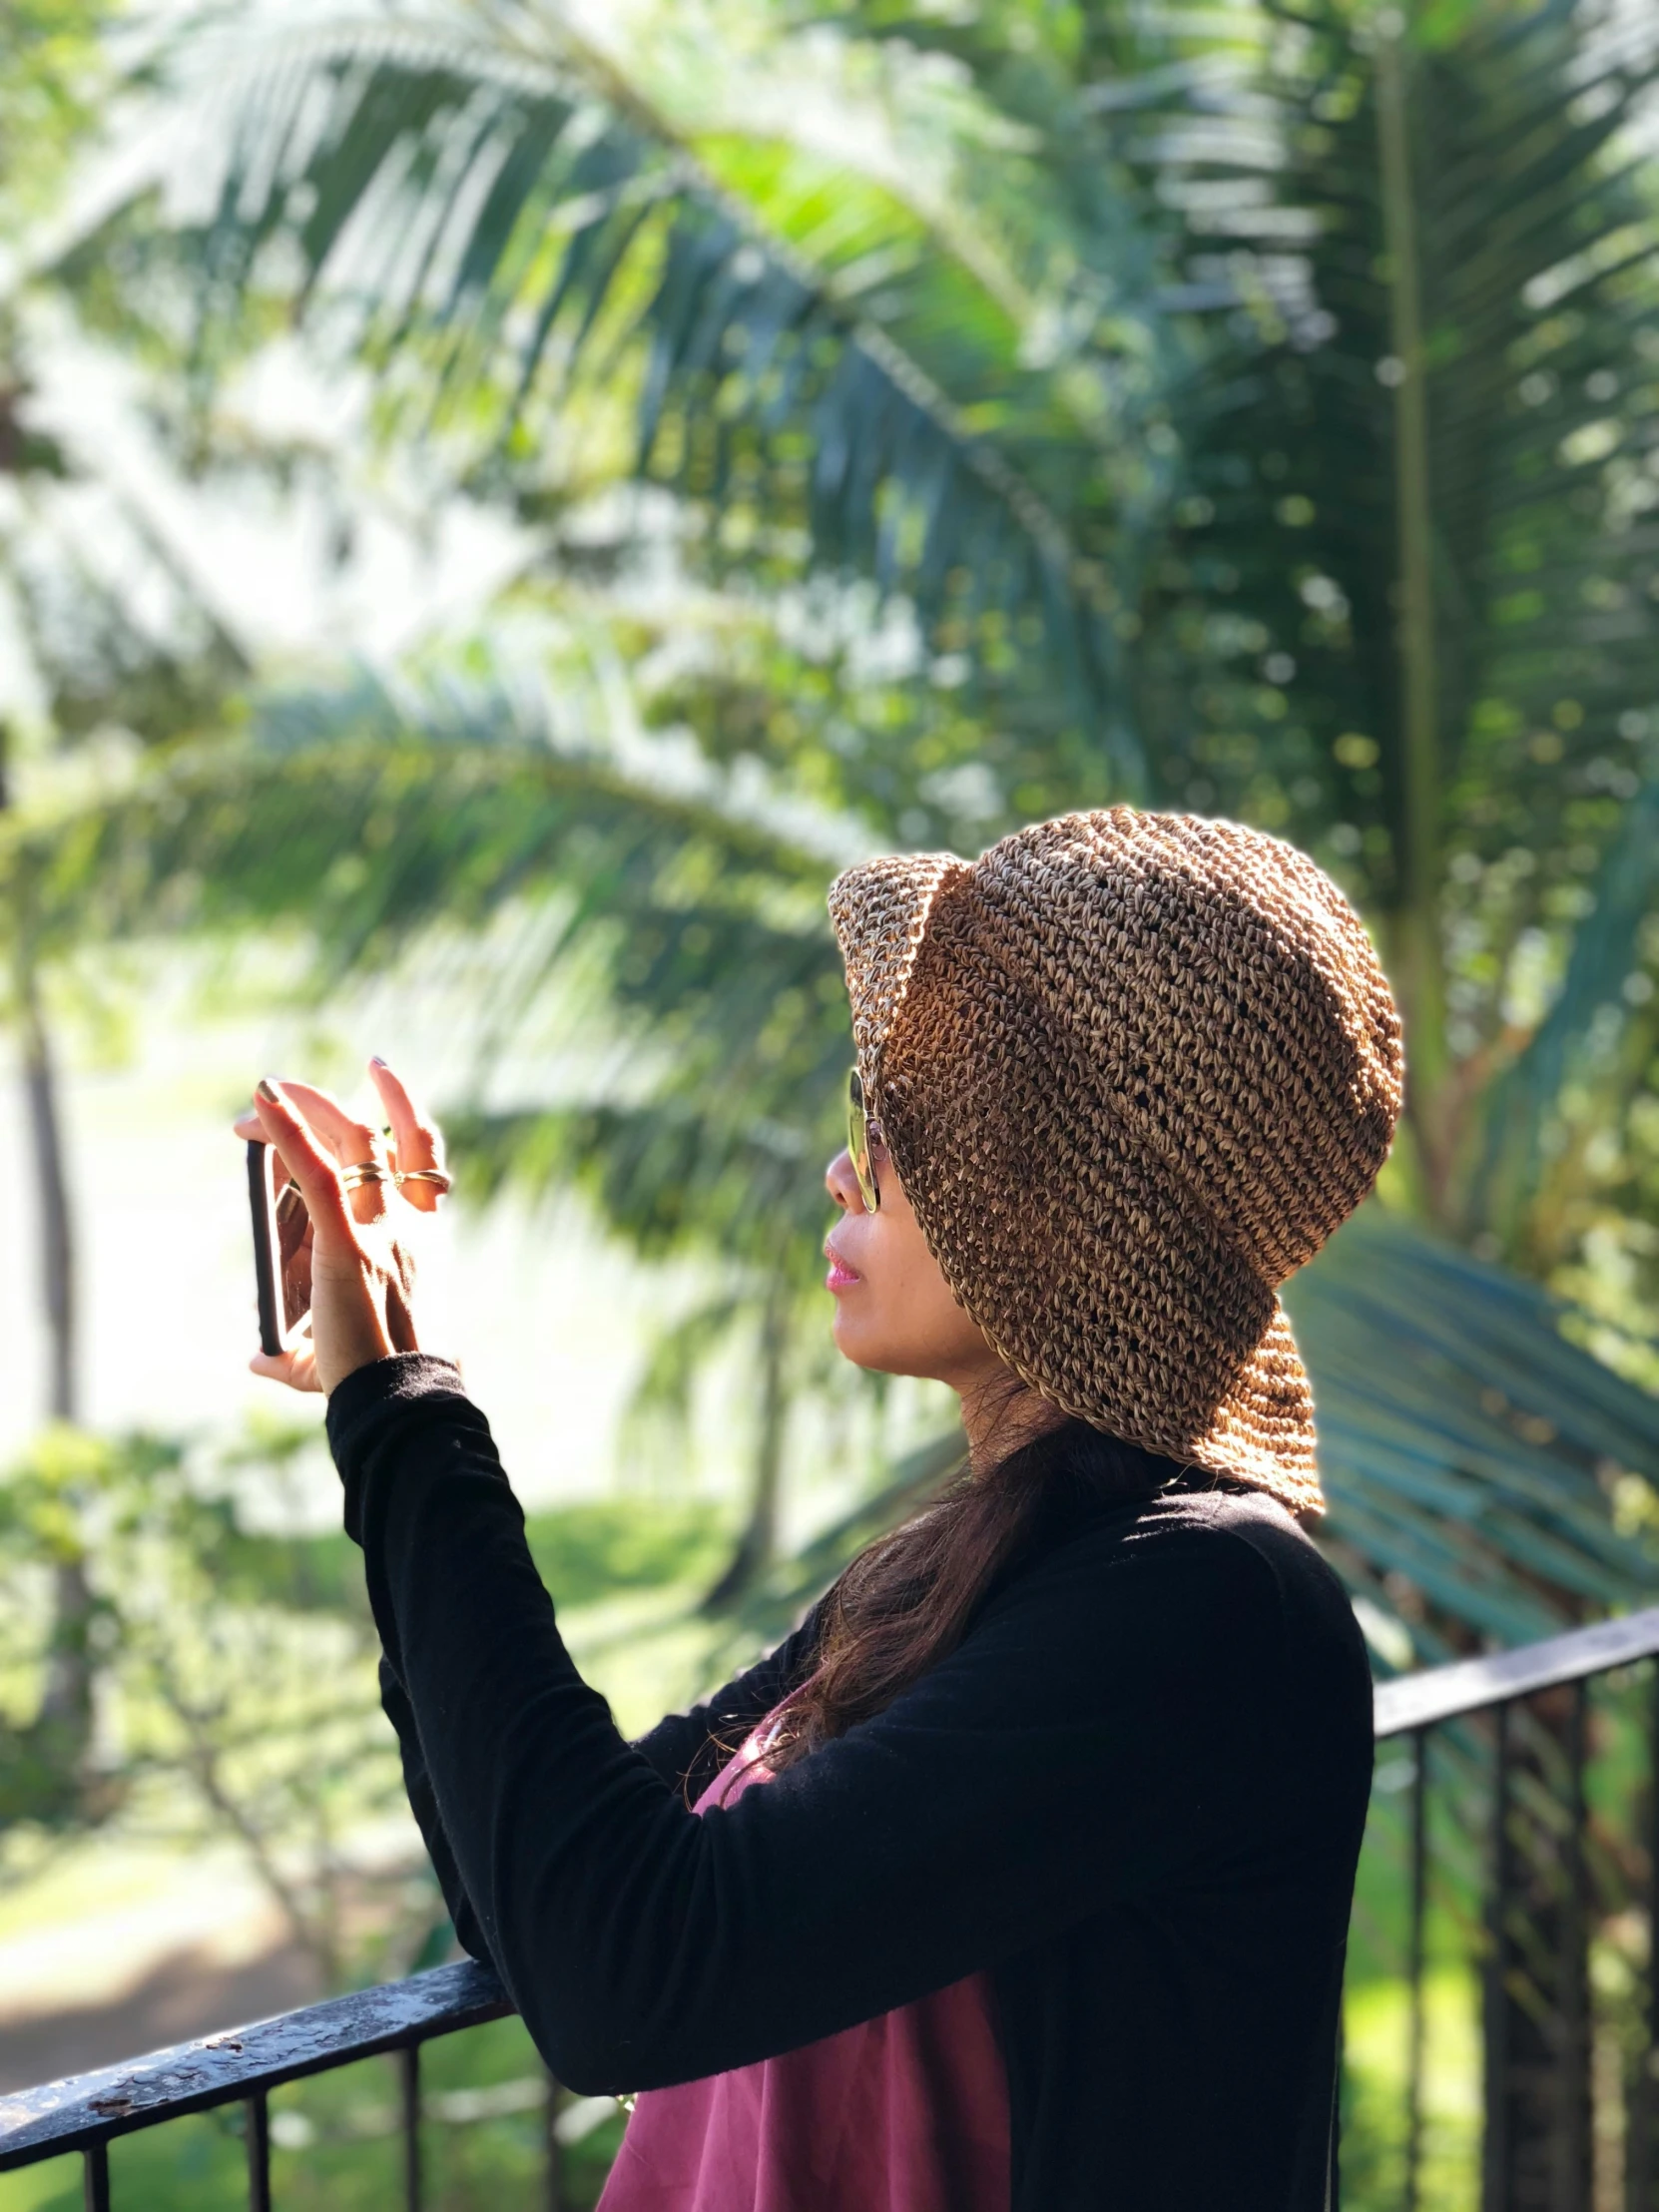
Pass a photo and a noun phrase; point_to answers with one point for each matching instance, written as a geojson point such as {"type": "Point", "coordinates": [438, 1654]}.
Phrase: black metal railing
{"type": "Point", "coordinates": [1536, 1885]}
{"type": "Point", "coordinates": [1514, 1736]}
{"type": "Point", "coordinates": [243, 2066]}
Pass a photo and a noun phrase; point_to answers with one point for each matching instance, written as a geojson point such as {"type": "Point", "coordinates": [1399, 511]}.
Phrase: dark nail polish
{"type": "Point", "coordinates": [268, 1089]}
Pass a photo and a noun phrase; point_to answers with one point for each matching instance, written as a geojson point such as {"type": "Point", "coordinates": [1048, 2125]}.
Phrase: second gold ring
{"type": "Point", "coordinates": [363, 1171]}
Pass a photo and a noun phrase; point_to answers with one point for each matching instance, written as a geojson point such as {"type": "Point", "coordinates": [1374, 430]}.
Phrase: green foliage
{"type": "Point", "coordinates": [1471, 1454]}
{"type": "Point", "coordinates": [56, 67]}
{"type": "Point", "coordinates": [1534, 257]}
{"type": "Point", "coordinates": [1177, 386]}
{"type": "Point", "coordinates": [1252, 413]}
{"type": "Point", "coordinates": [233, 1699]}
{"type": "Point", "coordinates": [492, 222]}
{"type": "Point", "coordinates": [235, 1675]}
{"type": "Point", "coordinates": [588, 1552]}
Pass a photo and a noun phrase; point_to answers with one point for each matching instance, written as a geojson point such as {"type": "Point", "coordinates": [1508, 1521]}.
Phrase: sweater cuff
{"type": "Point", "coordinates": [360, 1406]}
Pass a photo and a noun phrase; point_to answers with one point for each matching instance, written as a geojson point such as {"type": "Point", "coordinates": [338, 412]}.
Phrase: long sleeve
{"type": "Point", "coordinates": [417, 1785]}
{"type": "Point", "coordinates": [1092, 1737]}
{"type": "Point", "coordinates": [686, 1749]}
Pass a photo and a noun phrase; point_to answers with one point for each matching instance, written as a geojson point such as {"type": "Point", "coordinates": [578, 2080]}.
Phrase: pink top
{"type": "Point", "coordinates": [905, 2113]}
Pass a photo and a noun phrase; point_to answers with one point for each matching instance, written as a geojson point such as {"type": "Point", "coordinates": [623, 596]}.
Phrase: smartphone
{"type": "Point", "coordinates": [281, 1264]}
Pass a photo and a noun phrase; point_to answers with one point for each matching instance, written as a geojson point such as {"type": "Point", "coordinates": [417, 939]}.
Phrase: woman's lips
{"type": "Point", "coordinates": [841, 1274]}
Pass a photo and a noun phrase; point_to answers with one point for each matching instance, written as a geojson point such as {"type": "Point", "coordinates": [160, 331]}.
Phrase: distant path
{"type": "Point", "coordinates": [185, 1993]}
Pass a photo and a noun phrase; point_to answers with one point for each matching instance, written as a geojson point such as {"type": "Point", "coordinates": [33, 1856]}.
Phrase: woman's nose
{"type": "Point", "coordinates": [841, 1183]}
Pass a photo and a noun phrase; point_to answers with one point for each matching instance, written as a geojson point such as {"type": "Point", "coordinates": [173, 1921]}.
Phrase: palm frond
{"type": "Point", "coordinates": [1606, 952]}
{"type": "Point", "coordinates": [383, 808]}
{"type": "Point", "coordinates": [1537, 254]}
{"type": "Point", "coordinates": [491, 223]}
{"type": "Point", "coordinates": [1466, 1444]}
{"type": "Point", "coordinates": [668, 1174]}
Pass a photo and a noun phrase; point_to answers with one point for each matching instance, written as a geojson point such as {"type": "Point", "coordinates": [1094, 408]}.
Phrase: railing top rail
{"type": "Point", "coordinates": [1471, 1685]}
{"type": "Point", "coordinates": [67, 2116]}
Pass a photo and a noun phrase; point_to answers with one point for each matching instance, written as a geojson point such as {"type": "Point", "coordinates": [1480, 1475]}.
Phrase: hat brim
{"type": "Point", "coordinates": [880, 911]}
{"type": "Point", "coordinates": [1263, 1432]}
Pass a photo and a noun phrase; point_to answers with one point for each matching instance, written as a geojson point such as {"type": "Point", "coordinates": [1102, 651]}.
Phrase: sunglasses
{"type": "Point", "coordinates": [863, 1130]}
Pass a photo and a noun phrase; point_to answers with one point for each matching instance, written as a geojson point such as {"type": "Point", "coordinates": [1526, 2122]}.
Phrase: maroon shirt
{"type": "Point", "coordinates": [907, 2113]}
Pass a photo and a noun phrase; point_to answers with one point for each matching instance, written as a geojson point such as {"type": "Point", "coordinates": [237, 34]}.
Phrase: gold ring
{"type": "Point", "coordinates": [363, 1171]}
{"type": "Point", "coordinates": [434, 1176]}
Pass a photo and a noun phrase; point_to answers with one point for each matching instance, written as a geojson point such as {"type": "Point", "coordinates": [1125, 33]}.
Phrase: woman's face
{"type": "Point", "coordinates": [894, 1309]}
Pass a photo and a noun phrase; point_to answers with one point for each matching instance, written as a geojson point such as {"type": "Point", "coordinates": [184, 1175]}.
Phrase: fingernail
{"type": "Point", "coordinates": [268, 1089]}
{"type": "Point", "coordinates": [377, 1061]}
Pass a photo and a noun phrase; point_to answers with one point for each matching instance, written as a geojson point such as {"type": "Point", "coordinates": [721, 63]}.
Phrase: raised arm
{"type": "Point", "coordinates": [1041, 1771]}
{"type": "Point", "coordinates": [684, 1748]}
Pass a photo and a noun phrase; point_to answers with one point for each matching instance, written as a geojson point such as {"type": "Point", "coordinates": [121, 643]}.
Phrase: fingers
{"type": "Point", "coordinates": [354, 1144]}
{"type": "Point", "coordinates": [297, 1368]}
{"type": "Point", "coordinates": [419, 1146]}
{"type": "Point", "coordinates": [307, 1162]}
{"type": "Point", "coordinates": [417, 1143]}
{"type": "Point", "coordinates": [348, 1139]}
{"type": "Point", "coordinates": [400, 1317]}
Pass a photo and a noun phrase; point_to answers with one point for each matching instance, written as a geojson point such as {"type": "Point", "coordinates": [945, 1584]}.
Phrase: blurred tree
{"type": "Point", "coordinates": [1035, 395]}
{"type": "Point", "coordinates": [240, 1684]}
{"type": "Point", "coordinates": [89, 653]}
{"type": "Point", "coordinates": [1252, 411]}
{"type": "Point", "coordinates": [1485, 1471]}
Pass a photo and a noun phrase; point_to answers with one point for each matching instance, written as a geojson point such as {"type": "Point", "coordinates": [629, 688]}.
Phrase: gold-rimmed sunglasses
{"type": "Point", "coordinates": [863, 1130]}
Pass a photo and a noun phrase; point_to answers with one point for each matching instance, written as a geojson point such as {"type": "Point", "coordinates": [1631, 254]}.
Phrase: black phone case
{"type": "Point", "coordinates": [262, 1203]}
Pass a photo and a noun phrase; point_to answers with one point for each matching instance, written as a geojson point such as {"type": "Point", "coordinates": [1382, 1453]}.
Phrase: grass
{"type": "Point", "coordinates": [1375, 2029]}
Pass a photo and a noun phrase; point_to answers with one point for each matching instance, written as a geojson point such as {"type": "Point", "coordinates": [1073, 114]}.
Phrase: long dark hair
{"type": "Point", "coordinates": [908, 1598]}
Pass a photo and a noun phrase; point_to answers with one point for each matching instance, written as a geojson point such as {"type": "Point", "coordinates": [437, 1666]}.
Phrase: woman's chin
{"type": "Point", "coordinates": [858, 1344]}
{"type": "Point", "coordinates": [864, 1347]}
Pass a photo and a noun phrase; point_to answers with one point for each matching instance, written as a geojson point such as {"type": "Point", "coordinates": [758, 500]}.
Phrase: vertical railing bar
{"type": "Point", "coordinates": [1573, 2135]}
{"type": "Point", "coordinates": [95, 2177]}
{"type": "Point", "coordinates": [1495, 2148]}
{"type": "Point", "coordinates": [1644, 2092]}
{"type": "Point", "coordinates": [1334, 2174]}
{"type": "Point", "coordinates": [257, 2126]}
{"type": "Point", "coordinates": [408, 2083]}
{"type": "Point", "coordinates": [1414, 1964]}
{"type": "Point", "coordinates": [555, 2151]}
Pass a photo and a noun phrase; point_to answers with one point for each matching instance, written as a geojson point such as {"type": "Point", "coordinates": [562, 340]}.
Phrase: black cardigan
{"type": "Point", "coordinates": [1135, 1793]}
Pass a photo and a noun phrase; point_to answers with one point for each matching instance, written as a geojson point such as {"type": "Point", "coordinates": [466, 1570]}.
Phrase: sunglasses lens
{"type": "Point", "coordinates": [857, 1144]}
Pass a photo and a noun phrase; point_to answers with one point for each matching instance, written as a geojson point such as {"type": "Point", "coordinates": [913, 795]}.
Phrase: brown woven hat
{"type": "Point", "coordinates": [1132, 1069]}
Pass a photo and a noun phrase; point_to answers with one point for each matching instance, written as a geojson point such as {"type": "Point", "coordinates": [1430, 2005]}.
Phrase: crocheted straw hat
{"type": "Point", "coordinates": [1132, 1069]}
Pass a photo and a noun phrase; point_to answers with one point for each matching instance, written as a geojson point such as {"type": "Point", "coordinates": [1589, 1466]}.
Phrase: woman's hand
{"type": "Point", "coordinates": [361, 1272]}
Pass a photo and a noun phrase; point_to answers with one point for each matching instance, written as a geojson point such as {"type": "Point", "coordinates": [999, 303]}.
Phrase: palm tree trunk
{"type": "Point", "coordinates": [57, 1242]}
{"type": "Point", "coordinates": [757, 1545]}
{"type": "Point", "coordinates": [66, 1712]}
{"type": "Point", "coordinates": [68, 1698]}
{"type": "Point", "coordinates": [1416, 951]}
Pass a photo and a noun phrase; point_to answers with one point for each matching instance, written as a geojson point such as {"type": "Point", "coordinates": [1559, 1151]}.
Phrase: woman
{"type": "Point", "coordinates": [1043, 1899]}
